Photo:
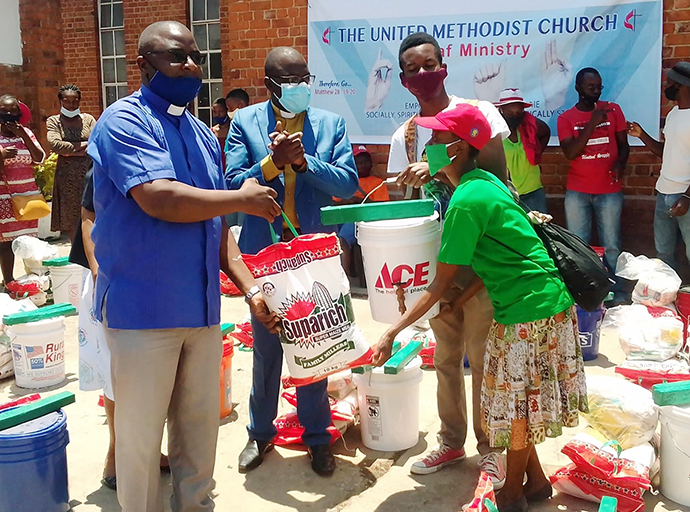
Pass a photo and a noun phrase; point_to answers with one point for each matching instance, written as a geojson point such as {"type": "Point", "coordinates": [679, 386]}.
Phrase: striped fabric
{"type": "Point", "coordinates": [16, 178]}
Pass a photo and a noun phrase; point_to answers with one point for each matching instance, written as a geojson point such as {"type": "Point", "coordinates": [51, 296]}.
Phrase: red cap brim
{"type": "Point", "coordinates": [432, 123]}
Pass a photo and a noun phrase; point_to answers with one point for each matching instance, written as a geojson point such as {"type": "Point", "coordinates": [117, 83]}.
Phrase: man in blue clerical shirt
{"type": "Point", "coordinates": [160, 242]}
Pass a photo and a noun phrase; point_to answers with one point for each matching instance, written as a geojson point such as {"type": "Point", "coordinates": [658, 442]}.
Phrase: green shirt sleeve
{"type": "Point", "coordinates": [462, 229]}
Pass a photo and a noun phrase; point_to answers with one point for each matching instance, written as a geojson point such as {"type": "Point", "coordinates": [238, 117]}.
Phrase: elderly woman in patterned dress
{"type": "Point", "coordinates": [19, 149]}
{"type": "Point", "coordinates": [68, 133]}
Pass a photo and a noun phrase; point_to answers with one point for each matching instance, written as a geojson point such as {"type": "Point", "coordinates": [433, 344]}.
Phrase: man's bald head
{"type": "Point", "coordinates": [285, 61]}
{"type": "Point", "coordinates": [155, 35]}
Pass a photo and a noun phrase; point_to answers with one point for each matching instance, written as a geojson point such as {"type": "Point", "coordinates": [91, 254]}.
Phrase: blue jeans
{"type": "Point", "coordinates": [606, 209]}
{"type": "Point", "coordinates": [535, 200]}
{"type": "Point", "coordinates": [666, 229]}
{"type": "Point", "coordinates": [313, 409]}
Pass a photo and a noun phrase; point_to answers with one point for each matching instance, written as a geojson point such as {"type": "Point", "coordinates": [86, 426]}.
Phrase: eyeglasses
{"type": "Point", "coordinates": [178, 56]}
{"type": "Point", "coordinates": [294, 80]}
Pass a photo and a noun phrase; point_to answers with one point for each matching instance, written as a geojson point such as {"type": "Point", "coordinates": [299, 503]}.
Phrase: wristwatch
{"type": "Point", "coordinates": [250, 294]}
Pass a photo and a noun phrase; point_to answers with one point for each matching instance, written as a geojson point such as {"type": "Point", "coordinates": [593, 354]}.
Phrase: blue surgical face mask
{"type": "Point", "coordinates": [221, 120]}
{"type": "Point", "coordinates": [295, 97]}
{"type": "Point", "coordinates": [70, 113]}
{"type": "Point", "coordinates": [178, 91]}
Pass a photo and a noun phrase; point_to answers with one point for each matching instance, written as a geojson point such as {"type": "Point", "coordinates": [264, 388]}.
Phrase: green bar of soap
{"type": "Point", "coordinates": [608, 504]}
{"type": "Point", "coordinates": [367, 367]}
{"type": "Point", "coordinates": [406, 354]}
{"type": "Point", "coordinates": [391, 210]}
{"type": "Point", "coordinates": [33, 410]}
{"type": "Point", "coordinates": [226, 328]}
{"type": "Point", "coordinates": [45, 313]}
{"type": "Point", "coordinates": [671, 393]}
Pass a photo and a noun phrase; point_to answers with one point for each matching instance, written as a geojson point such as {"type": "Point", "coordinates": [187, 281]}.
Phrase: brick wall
{"type": "Point", "coordinates": [139, 14]}
{"type": "Point", "coordinates": [36, 81]}
{"type": "Point", "coordinates": [82, 52]}
{"type": "Point", "coordinates": [255, 27]}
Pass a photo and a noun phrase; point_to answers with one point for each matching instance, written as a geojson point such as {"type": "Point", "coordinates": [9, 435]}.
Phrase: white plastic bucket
{"type": "Point", "coordinates": [389, 407]}
{"type": "Point", "coordinates": [675, 453]}
{"type": "Point", "coordinates": [38, 349]}
{"type": "Point", "coordinates": [66, 283]}
{"type": "Point", "coordinates": [399, 251]}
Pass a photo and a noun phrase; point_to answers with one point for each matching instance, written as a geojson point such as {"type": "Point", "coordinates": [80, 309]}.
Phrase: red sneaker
{"type": "Point", "coordinates": [437, 459]}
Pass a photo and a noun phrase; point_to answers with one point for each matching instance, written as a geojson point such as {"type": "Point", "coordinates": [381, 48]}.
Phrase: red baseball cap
{"type": "Point", "coordinates": [465, 121]}
{"type": "Point", "coordinates": [359, 150]}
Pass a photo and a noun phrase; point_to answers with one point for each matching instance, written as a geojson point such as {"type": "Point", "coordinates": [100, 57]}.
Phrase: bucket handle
{"type": "Point", "coordinates": [670, 432]}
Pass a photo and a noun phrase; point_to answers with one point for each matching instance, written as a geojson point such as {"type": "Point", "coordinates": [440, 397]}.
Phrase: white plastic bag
{"type": "Point", "coordinates": [657, 283]}
{"type": "Point", "coordinates": [621, 411]}
{"type": "Point", "coordinates": [644, 336]}
{"type": "Point", "coordinates": [30, 248]}
{"type": "Point", "coordinates": [10, 306]}
{"type": "Point", "coordinates": [303, 282]}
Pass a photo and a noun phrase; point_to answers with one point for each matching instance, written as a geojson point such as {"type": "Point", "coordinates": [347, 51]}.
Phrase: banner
{"type": "Point", "coordinates": [488, 45]}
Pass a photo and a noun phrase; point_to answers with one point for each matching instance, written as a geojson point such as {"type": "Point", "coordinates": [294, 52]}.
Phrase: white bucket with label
{"type": "Point", "coordinates": [389, 407]}
{"type": "Point", "coordinates": [38, 349]}
{"type": "Point", "coordinates": [402, 252]}
{"type": "Point", "coordinates": [65, 281]}
{"type": "Point", "coordinates": [675, 453]}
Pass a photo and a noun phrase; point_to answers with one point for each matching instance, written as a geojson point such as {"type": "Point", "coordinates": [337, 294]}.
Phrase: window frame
{"type": "Point", "coordinates": [120, 83]}
{"type": "Point", "coordinates": [202, 23]}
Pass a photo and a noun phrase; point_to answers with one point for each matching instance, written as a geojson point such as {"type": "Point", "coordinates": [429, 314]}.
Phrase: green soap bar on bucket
{"type": "Point", "coordinates": [45, 313]}
{"type": "Point", "coordinates": [23, 413]}
{"type": "Point", "coordinates": [57, 262]}
{"type": "Point", "coordinates": [226, 328]}
{"type": "Point", "coordinates": [671, 393]}
{"type": "Point", "coordinates": [406, 354]}
{"type": "Point", "coordinates": [368, 212]}
{"type": "Point", "coordinates": [368, 367]}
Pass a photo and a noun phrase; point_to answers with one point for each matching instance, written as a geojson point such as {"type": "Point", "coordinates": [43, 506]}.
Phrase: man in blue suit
{"type": "Point", "coordinates": [305, 156]}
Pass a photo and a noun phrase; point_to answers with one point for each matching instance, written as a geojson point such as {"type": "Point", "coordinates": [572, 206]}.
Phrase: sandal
{"type": "Point", "coordinates": [110, 482]}
{"type": "Point", "coordinates": [543, 494]}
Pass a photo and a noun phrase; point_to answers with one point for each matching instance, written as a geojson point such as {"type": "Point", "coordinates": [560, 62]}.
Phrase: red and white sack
{"type": "Point", "coordinates": [303, 282]}
{"type": "Point", "coordinates": [650, 373]}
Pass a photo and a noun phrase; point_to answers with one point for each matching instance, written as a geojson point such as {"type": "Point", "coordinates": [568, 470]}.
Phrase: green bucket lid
{"type": "Point", "coordinates": [45, 313]}
{"type": "Point", "coordinates": [57, 262]}
{"type": "Point", "coordinates": [368, 212]}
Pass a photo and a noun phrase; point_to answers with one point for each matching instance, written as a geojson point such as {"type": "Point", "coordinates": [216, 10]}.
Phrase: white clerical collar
{"type": "Point", "coordinates": [176, 111]}
{"type": "Point", "coordinates": [287, 115]}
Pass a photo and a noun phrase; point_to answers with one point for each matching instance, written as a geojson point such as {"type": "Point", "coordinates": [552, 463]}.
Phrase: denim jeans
{"type": "Point", "coordinates": [666, 229]}
{"type": "Point", "coordinates": [535, 200]}
{"type": "Point", "coordinates": [606, 208]}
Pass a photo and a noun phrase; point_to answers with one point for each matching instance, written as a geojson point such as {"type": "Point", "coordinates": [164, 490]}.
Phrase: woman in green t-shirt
{"type": "Point", "coordinates": [534, 380]}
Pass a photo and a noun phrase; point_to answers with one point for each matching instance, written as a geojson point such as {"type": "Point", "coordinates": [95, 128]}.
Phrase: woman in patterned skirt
{"type": "Point", "coordinates": [534, 382]}
{"type": "Point", "coordinates": [68, 133]}
{"type": "Point", "coordinates": [19, 150]}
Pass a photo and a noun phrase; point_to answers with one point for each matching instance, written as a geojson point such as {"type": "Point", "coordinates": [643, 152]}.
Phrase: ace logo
{"type": "Point", "coordinates": [403, 275]}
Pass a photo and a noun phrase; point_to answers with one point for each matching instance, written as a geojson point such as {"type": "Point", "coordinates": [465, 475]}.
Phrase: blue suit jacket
{"type": "Point", "coordinates": [330, 168]}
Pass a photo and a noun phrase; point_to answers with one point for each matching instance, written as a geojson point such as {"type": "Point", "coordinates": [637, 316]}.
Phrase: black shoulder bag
{"type": "Point", "coordinates": [579, 267]}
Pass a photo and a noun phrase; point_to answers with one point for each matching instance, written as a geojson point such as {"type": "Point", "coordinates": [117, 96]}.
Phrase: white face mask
{"type": "Point", "coordinates": [69, 113]}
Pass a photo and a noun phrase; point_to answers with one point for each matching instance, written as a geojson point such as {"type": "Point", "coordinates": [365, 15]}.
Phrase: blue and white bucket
{"type": "Point", "coordinates": [33, 465]}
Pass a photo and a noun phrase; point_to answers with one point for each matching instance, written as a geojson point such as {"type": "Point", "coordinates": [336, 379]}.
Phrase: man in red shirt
{"type": "Point", "coordinates": [594, 138]}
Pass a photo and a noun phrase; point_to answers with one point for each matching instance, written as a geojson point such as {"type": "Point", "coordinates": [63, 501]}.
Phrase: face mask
{"type": "Point", "coordinates": [295, 98]}
{"type": "Point", "coordinates": [427, 85]}
{"type": "Point", "coordinates": [514, 121]}
{"type": "Point", "coordinates": [437, 155]}
{"type": "Point", "coordinates": [70, 113]}
{"type": "Point", "coordinates": [9, 118]}
{"type": "Point", "coordinates": [221, 120]}
{"type": "Point", "coordinates": [178, 91]}
{"type": "Point", "coordinates": [671, 92]}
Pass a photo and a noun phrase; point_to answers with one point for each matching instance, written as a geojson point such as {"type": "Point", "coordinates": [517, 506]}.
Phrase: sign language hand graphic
{"type": "Point", "coordinates": [380, 80]}
{"type": "Point", "coordinates": [489, 81]}
{"type": "Point", "coordinates": [556, 77]}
